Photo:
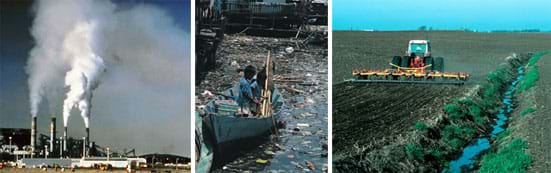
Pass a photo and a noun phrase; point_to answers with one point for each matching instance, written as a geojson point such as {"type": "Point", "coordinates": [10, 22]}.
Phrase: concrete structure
{"type": "Point", "coordinates": [88, 162]}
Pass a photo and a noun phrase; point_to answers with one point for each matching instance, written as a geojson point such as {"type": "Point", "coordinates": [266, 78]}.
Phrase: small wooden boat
{"type": "Point", "coordinates": [224, 129]}
{"type": "Point", "coordinates": [228, 129]}
{"type": "Point", "coordinates": [220, 132]}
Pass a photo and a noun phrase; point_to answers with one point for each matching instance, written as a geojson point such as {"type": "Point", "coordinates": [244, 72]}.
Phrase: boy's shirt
{"type": "Point", "coordinates": [246, 90]}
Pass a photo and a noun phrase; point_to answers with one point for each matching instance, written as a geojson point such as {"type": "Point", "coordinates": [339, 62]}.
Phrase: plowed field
{"type": "Point", "coordinates": [369, 116]}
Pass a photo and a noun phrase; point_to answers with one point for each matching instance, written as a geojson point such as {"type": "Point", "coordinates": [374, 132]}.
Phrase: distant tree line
{"type": "Point", "coordinates": [427, 28]}
{"type": "Point", "coordinates": [522, 30]}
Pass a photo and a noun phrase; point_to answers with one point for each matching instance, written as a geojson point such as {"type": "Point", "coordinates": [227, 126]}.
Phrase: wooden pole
{"type": "Point", "coordinates": [265, 103]}
{"type": "Point", "coordinates": [267, 94]}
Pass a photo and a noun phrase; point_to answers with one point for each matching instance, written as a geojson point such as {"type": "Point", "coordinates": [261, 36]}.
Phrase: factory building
{"type": "Point", "coordinates": [29, 143]}
{"type": "Point", "coordinates": [88, 162]}
{"type": "Point", "coordinates": [14, 141]}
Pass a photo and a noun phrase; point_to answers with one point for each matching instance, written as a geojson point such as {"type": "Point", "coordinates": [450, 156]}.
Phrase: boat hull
{"type": "Point", "coordinates": [230, 133]}
{"type": "Point", "coordinates": [203, 146]}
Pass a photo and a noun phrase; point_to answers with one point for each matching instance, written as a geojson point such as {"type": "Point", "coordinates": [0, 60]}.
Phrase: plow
{"type": "Point", "coordinates": [418, 66]}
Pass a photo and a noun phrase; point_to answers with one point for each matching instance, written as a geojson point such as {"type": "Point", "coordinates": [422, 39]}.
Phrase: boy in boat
{"type": "Point", "coordinates": [247, 100]}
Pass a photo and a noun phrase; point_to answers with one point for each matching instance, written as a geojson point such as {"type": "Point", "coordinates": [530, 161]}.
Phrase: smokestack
{"type": "Point", "coordinates": [86, 141]}
{"type": "Point", "coordinates": [52, 135]}
{"type": "Point", "coordinates": [65, 140]}
{"type": "Point", "coordinates": [33, 136]}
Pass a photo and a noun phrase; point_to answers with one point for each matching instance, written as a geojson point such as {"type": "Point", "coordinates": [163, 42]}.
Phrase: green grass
{"type": "Point", "coordinates": [476, 113]}
{"type": "Point", "coordinates": [454, 130]}
{"type": "Point", "coordinates": [454, 111]}
{"type": "Point", "coordinates": [414, 151]}
{"type": "Point", "coordinates": [436, 153]}
{"type": "Point", "coordinates": [462, 112]}
{"type": "Point", "coordinates": [530, 79]}
{"type": "Point", "coordinates": [457, 136]}
{"type": "Point", "coordinates": [421, 126]}
{"type": "Point", "coordinates": [536, 57]}
{"type": "Point", "coordinates": [532, 76]}
{"type": "Point", "coordinates": [501, 137]}
{"type": "Point", "coordinates": [491, 91]}
{"type": "Point", "coordinates": [527, 111]}
{"type": "Point", "coordinates": [509, 158]}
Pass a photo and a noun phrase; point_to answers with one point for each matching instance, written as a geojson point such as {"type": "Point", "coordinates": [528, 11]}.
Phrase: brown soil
{"type": "Point", "coordinates": [536, 127]}
{"type": "Point", "coordinates": [473, 52]}
{"type": "Point", "coordinates": [367, 117]}
{"type": "Point", "coordinates": [373, 115]}
{"type": "Point", "coordinates": [371, 118]}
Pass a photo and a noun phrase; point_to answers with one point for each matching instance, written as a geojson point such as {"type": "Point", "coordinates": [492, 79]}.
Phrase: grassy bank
{"type": "Point", "coordinates": [465, 119]}
{"type": "Point", "coordinates": [510, 154]}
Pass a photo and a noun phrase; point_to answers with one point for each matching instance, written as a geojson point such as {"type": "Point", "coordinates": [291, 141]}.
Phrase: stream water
{"type": "Point", "coordinates": [471, 152]}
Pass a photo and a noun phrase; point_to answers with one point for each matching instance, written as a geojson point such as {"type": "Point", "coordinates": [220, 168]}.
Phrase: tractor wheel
{"type": "Point", "coordinates": [439, 64]}
{"type": "Point", "coordinates": [396, 61]}
{"type": "Point", "coordinates": [405, 61]}
{"type": "Point", "coordinates": [428, 61]}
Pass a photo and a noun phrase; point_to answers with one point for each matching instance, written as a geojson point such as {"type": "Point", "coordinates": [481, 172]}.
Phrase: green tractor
{"type": "Point", "coordinates": [418, 55]}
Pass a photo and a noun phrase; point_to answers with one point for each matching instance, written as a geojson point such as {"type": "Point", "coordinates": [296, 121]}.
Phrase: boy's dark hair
{"type": "Point", "coordinates": [250, 71]}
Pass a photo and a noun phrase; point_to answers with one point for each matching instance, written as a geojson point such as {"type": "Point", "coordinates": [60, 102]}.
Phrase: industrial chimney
{"type": "Point", "coordinates": [65, 140]}
{"type": "Point", "coordinates": [33, 136]}
{"type": "Point", "coordinates": [86, 141]}
{"type": "Point", "coordinates": [52, 135]}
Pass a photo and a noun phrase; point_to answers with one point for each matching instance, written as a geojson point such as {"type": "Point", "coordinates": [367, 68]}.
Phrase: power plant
{"type": "Point", "coordinates": [66, 151]}
{"type": "Point", "coordinates": [55, 146]}
{"type": "Point", "coordinates": [63, 66]}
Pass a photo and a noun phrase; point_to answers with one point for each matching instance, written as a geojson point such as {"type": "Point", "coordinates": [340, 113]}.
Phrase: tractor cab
{"type": "Point", "coordinates": [420, 48]}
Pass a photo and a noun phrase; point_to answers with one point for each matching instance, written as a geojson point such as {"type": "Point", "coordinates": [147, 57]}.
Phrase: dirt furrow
{"type": "Point", "coordinates": [366, 114]}
{"type": "Point", "coordinates": [537, 128]}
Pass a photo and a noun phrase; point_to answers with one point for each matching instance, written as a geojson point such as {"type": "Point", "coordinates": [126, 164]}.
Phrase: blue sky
{"type": "Point", "coordinates": [483, 15]}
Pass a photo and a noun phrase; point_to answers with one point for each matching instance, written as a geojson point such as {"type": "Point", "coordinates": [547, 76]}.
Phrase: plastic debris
{"type": "Point", "coordinates": [261, 161]}
{"type": "Point", "coordinates": [298, 165]}
{"type": "Point", "coordinates": [234, 64]}
{"type": "Point", "coordinates": [310, 165]}
{"type": "Point", "coordinates": [303, 86]}
{"type": "Point", "coordinates": [303, 125]}
{"type": "Point", "coordinates": [269, 152]}
{"type": "Point", "coordinates": [289, 50]}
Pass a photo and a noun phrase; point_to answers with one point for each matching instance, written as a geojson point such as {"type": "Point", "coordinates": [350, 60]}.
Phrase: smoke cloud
{"type": "Point", "coordinates": [133, 59]}
{"type": "Point", "coordinates": [86, 66]}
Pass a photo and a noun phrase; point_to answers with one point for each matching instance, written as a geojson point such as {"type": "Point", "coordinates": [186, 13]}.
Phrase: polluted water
{"type": "Point", "coordinates": [301, 76]}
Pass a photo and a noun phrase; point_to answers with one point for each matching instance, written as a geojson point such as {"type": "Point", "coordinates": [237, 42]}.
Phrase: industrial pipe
{"type": "Point", "coordinates": [52, 134]}
{"type": "Point", "coordinates": [33, 136]}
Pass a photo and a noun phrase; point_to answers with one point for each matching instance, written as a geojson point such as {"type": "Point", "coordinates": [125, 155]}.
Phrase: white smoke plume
{"type": "Point", "coordinates": [145, 85]}
{"type": "Point", "coordinates": [57, 25]}
{"type": "Point", "coordinates": [86, 66]}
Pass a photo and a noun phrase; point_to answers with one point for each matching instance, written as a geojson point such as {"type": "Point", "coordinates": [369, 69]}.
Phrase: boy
{"type": "Point", "coordinates": [247, 99]}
